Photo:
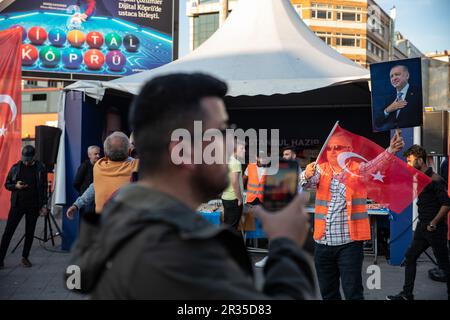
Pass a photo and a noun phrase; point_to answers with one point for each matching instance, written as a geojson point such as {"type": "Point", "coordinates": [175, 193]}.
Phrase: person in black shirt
{"type": "Point", "coordinates": [431, 230]}
{"type": "Point", "coordinates": [27, 181]}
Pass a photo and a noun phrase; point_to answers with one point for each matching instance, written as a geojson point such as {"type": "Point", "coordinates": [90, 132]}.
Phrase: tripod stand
{"type": "Point", "coordinates": [48, 220]}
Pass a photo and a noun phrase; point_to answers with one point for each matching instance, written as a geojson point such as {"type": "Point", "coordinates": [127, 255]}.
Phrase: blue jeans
{"type": "Point", "coordinates": [340, 263]}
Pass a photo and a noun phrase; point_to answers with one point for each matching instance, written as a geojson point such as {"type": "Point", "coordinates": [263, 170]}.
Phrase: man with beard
{"type": "Point", "coordinates": [153, 245]}
{"type": "Point", "coordinates": [431, 231]}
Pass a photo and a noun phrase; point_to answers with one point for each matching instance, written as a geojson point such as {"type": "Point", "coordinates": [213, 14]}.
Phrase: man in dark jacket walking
{"type": "Point", "coordinates": [85, 176]}
{"type": "Point", "coordinates": [152, 244]}
{"type": "Point", "coordinates": [27, 181]}
{"type": "Point", "coordinates": [431, 230]}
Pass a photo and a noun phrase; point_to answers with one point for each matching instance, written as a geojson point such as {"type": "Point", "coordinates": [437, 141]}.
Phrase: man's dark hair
{"type": "Point", "coordinates": [164, 104]}
{"type": "Point", "coordinates": [291, 148]}
{"type": "Point", "coordinates": [417, 151]}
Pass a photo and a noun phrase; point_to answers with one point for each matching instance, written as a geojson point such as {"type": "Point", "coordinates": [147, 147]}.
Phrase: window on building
{"type": "Point", "coordinates": [39, 97]}
{"type": "Point", "coordinates": [376, 50]}
{"type": "Point", "coordinates": [204, 26]}
{"type": "Point", "coordinates": [348, 40]}
{"type": "Point", "coordinates": [321, 11]}
{"type": "Point", "coordinates": [325, 36]}
{"type": "Point", "coordinates": [349, 13]}
{"type": "Point", "coordinates": [53, 84]}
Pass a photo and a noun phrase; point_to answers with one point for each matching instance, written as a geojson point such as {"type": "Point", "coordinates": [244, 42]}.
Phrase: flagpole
{"type": "Point", "coordinates": [326, 141]}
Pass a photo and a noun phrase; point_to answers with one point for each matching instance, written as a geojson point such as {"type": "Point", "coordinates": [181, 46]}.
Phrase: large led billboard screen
{"type": "Point", "coordinates": [92, 38]}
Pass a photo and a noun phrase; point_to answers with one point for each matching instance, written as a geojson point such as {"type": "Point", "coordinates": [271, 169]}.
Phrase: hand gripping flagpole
{"type": "Point", "coordinates": [326, 142]}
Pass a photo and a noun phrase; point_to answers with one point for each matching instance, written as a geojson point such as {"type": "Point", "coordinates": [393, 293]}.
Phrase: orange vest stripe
{"type": "Point", "coordinates": [255, 188]}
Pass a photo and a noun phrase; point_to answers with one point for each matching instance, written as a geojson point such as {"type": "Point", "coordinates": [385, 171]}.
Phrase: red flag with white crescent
{"type": "Point", "coordinates": [365, 165]}
{"type": "Point", "coordinates": [10, 109]}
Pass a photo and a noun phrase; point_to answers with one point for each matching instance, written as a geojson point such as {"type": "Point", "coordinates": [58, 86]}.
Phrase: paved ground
{"type": "Point", "coordinates": [45, 279]}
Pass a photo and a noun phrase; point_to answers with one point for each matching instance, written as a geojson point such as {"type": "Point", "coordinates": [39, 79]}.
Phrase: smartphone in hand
{"type": "Point", "coordinates": [281, 188]}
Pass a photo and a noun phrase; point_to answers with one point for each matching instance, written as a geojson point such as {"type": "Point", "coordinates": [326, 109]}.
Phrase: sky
{"type": "Point", "coordinates": [426, 23]}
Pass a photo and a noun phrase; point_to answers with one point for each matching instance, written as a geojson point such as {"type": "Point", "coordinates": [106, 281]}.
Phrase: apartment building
{"type": "Point", "coordinates": [358, 29]}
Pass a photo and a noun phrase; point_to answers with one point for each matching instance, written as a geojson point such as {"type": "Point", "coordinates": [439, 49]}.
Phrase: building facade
{"type": "Point", "coordinates": [39, 105]}
{"type": "Point", "coordinates": [358, 29]}
{"type": "Point", "coordinates": [438, 81]}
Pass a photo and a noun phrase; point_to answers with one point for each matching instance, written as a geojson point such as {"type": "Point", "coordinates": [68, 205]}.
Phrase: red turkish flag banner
{"type": "Point", "coordinates": [10, 109]}
{"type": "Point", "coordinates": [386, 178]}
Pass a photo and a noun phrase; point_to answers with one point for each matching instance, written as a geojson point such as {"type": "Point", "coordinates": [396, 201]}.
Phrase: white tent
{"type": "Point", "coordinates": [264, 48]}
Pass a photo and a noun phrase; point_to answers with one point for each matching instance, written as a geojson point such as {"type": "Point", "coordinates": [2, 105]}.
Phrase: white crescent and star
{"type": "Point", "coordinates": [378, 176]}
{"type": "Point", "coordinates": [4, 98]}
{"type": "Point", "coordinates": [344, 156]}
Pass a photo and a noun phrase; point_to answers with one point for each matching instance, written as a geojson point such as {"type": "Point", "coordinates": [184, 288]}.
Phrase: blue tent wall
{"type": "Point", "coordinates": [401, 224]}
{"type": "Point", "coordinates": [84, 125]}
{"type": "Point", "coordinates": [72, 139]}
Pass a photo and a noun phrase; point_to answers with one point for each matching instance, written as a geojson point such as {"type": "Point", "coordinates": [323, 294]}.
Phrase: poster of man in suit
{"type": "Point", "coordinates": [396, 94]}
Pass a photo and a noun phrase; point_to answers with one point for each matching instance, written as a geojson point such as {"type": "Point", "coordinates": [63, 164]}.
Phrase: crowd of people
{"type": "Point", "coordinates": [144, 240]}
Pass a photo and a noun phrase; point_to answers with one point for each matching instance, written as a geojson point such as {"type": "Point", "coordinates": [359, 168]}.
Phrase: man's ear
{"type": "Point", "coordinates": [181, 154]}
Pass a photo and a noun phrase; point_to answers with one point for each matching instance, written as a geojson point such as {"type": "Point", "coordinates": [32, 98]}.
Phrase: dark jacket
{"type": "Point", "coordinates": [432, 198]}
{"type": "Point", "coordinates": [151, 246]}
{"type": "Point", "coordinates": [41, 180]}
{"type": "Point", "coordinates": [409, 116]}
{"type": "Point", "coordinates": [444, 170]}
{"type": "Point", "coordinates": [84, 176]}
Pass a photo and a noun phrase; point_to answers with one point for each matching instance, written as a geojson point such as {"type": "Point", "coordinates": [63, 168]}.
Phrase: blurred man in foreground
{"type": "Point", "coordinates": [153, 245]}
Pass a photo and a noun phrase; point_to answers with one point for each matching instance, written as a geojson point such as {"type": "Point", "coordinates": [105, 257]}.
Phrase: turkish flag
{"type": "Point", "coordinates": [10, 108]}
{"type": "Point", "coordinates": [364, 164]}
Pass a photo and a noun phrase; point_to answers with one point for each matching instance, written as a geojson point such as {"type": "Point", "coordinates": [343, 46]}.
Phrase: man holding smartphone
{"type": "Point", "coordinates": [174, 252]}
{"type": "Point", "coordinates": [27, 181]}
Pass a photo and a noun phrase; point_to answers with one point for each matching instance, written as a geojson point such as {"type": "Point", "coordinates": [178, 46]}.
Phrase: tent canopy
{"type": "Point", "coordinates": [263, 48]}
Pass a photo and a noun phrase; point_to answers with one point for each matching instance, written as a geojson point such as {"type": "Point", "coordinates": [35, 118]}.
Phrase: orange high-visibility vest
{"type": "Point", "coordinates": [255, 188]}
{"type": "Point", "coordinates": [358, 219]}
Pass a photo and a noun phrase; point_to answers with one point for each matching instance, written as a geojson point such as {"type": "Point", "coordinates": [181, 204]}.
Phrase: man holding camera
{"type": "Point", "coordinates": [151, 243]}
{"type": "Point", "coordinates": [27, 181]}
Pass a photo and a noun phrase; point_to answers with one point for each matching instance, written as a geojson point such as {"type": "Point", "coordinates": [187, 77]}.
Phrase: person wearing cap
{"type": "Point", "coordinates": [27, 181]}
